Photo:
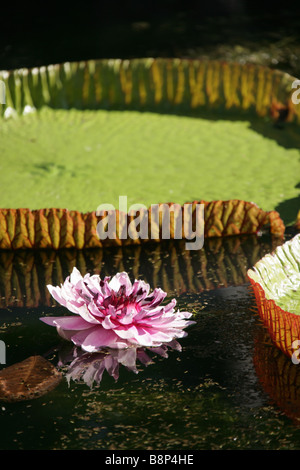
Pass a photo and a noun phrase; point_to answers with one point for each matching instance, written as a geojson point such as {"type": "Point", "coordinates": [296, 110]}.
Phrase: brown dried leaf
{"type": "Point", "coordinates": [31, 378]}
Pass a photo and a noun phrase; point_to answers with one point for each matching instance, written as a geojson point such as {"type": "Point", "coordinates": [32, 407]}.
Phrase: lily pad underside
{"type": "Point", "coordinates": [275, 280]}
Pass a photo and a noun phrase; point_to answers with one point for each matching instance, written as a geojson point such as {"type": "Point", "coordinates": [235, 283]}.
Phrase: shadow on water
{"type": "Point", "coordinates": [285, 134]}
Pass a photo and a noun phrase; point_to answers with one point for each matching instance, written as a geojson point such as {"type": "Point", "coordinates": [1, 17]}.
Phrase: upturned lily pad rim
{"type": "Point", "coordinates": [61, 228]}
{"type": "Point", "coordinates": [161, 84]}
{"type": "Point", "coordinates": [277, 272]}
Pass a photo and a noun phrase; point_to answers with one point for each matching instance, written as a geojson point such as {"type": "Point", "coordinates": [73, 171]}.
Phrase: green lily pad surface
{"type": "Point", "coordinates": [279, 275]}
{"type": "Point", "coordinates": [79, 159]}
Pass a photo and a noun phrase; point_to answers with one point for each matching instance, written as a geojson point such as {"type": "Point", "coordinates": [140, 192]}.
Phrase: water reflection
{"type": "Point", "coordinates": [279, 377]}
{"type": "Point", "coordinates": [89, 367]}
{"type": "Point", "coordinates": [24, 275]}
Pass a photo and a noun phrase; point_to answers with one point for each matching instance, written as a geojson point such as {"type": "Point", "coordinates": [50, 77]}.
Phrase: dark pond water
{"type": "Point", "coordinates": [228, 388]}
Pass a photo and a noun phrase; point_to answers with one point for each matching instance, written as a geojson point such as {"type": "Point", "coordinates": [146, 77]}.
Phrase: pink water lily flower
{"type": "Point", "coordinates": [114, 313]}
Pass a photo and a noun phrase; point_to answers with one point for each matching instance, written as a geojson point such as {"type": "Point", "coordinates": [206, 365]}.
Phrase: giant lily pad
{"type": "Point", "coordinates": [276, 283]}
{"type": "Point", "coordinates": [77, 135]}
{"type": "Point", "coordinates": [29, 379]}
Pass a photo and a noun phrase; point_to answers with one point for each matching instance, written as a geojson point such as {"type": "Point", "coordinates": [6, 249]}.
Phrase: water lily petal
{"type": "Point", "coordinates": [119, 280]}
{"type": "Point", "coordinates": [75, 276]}
{"type": "Point", "coordinates": [95, 338]}
{"type": "Point", "coordinates": [67, 322]}
{"type": "Point", "coordinates": [153, 300]}
{"type": "Point", "coordinates": [87, 316]}
{"type": "Point", "coordinates": [56, 294]}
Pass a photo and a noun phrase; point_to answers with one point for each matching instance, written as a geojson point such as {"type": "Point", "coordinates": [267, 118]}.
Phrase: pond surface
{"type": "Point", "coordinates": [228, 388]}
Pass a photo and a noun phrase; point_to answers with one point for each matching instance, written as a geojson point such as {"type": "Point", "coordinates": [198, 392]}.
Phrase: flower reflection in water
{"type": "Point", "coordinates": [89, 367]}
